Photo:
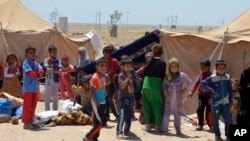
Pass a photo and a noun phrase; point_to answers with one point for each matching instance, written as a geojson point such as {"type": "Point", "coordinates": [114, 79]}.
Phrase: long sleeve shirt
{"type": "Point", "coordinates": [222, 87]}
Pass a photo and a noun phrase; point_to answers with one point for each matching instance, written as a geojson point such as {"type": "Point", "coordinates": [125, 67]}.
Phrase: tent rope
{"type": "Point", "coordinates": [222, 45]}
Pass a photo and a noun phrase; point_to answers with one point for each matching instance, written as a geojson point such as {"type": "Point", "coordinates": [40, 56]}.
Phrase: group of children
{"type": "Point", "coordinates": [216, 93]}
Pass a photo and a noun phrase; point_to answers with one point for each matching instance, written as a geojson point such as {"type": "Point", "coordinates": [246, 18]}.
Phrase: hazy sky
{"type": "Point", "coordinates": [147, 12]}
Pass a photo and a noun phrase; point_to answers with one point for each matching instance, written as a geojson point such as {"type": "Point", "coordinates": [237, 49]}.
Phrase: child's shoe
{"type": "Point", "coordinates": [121, 137]}
{"type": "Point", "coordinates": [199, 128]}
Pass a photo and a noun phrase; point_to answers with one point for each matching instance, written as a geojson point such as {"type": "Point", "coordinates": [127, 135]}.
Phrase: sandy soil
{"type": "Point", "coordinates": [9, 132]}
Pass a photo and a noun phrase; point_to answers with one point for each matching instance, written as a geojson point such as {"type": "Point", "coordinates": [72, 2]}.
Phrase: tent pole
{"type": "Point", "coordinates": [4, 40]}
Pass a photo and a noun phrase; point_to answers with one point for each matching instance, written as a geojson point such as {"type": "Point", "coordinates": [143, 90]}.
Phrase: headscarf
{"type": "Point", "coordinates": [84, 59]}
{"type": "Point", "coordinates": [172, 76]}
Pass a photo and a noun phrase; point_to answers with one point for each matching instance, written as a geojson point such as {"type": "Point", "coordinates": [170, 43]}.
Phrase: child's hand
{"type": "Point", "coordinates": [183, 92]}
{"type": "Point", "coordinates": [190, 94]}
{"type": "Point", "coordinates": [97, 104]}
{"type": "Point", "coordinates": [50, 70]}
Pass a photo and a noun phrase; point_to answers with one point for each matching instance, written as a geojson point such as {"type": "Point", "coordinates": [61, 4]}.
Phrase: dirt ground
{"type": "Point", "coordinates": [9, 132]}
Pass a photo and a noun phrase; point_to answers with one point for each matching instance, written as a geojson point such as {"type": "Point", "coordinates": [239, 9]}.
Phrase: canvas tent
{"type": "Point", "coordinates": [20, 27]}
{"type": "Point", "coordinates": [190, 48]}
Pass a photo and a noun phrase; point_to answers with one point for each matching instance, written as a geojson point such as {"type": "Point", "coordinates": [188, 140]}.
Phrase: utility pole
{"type": "Point", "coordinates": [96, 20]}
{"type": "Point", "coordinates": [127, 22]}
{"type": "Point", "coordinates": [99, 20]}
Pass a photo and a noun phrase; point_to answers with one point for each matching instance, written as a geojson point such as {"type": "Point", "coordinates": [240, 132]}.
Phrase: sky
{"type": "Point", "coordinates": [143, 12]}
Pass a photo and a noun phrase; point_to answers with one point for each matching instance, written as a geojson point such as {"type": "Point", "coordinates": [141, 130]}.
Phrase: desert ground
{"type": "Point", "coordinates": [9, 132]}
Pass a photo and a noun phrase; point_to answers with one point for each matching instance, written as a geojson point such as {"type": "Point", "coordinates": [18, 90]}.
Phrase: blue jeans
{"type": "Point", "coordinates": [224, 111]}
{"type": "Point", "coordinates": [125, 115]}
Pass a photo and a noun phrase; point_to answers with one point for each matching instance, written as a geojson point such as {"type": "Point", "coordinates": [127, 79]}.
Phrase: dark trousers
{"type": "Point", "coordinates": [98, 123]}
{"type": "Point", "coordinates": [204, 104]}
{"type": "Point", "coordinates": [109, 101]}
{"type": "Point", "coordinates": [125, 115]}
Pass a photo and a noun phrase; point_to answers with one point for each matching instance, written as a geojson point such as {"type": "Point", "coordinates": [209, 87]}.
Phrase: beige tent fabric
{"type": "Point", "coordinates": [17, 42]}
{"type": "Point", "coordinates": [190, 50]}
{"type": "Point", "coordinates": [21, 27]}
{"type": "Point", "coordinates": [239, 26]}
{"type": "Point", "coordinates": [14, 17]}
{"type": "Point", "coordinates": [84, 41]}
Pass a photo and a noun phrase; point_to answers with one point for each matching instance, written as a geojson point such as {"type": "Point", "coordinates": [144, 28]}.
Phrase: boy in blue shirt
{"type": "Point", "coordinates": [220, 86]}
{"type": "Point", "coordinates": [31, 71]}
{"type": "Point", "coordinates": [98, 84]}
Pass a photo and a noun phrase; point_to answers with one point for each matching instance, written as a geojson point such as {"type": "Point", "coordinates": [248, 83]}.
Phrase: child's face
{"type": "Point", "coordinates": [80, 53]}
{"type": "Point", "coordinates": [204, 68]}
{"type": "Point", "coordinates": [221, 69]}
{"type": "Point", "coordinates": [102, 67]}
{"type": "Point", "coordinates": [65, 62]}
{"type": "Point", "coordinates": [86, 85]}
{"type": "Point", "coordinates": [174, 67]}
{"type": "Point", "coordinates": [31, 54]}
{"type": "Point", "coordinates": [127, 67]}
{"type": "Point", "coordinates": [53, 53]}
{"type": "Point", "coordinates": [235, 85]}
{"type": "Point", "coordinates": [12, 59]}
{"type": "Point", "coordinates": [106, 54]}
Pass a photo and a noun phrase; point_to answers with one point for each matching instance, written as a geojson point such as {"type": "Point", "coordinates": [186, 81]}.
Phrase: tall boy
{"type": "Point", "coordinates": [98, 88]}
{"type": "Point", "coordinates": [32, 70]}
{"type": "Point", "coordinates": [220, 86]}
{"type": "Point", "coordinates": [52, 65]}
{"type": "Point", "coordinates": [126, 99]}
{"type": "Point", "coordinates": [203, 97]}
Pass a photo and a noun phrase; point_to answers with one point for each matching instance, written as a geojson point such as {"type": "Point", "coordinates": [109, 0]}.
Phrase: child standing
{"type": "Point", "coordinates": [204, 98]}
{"type": "Point", "coordinates": [220, 86]}
{"type": "Point", "coordinates": [126, 99]}
{"type": "Point", "coordinates": [52, 65]}
{"type": "Point", "coordinates": [98, 88]}
{"type": "Point", "coordinates": [172, 89]}
{"type": "Point", "coordinates": [31, 71]}
{"type": "Point", "coordinates": [11, 82]}
{"type": "Point", "coordinates": [236, 102]}
{"type": "Point", "coordinates": [64, 77]}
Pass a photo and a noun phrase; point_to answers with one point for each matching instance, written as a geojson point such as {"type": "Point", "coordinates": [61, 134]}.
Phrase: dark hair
{"type": "Point", "coordinates": [157, 50]}
{"type": "Point", "coordinates": [85, 79]}
{"type": "Point", "coordinates": [52, 47]}
{"type": "Point", "coordinates": [206, 62]}
{"type": "Point", "coordinates": [101, 60]}
{"type": "Point", "coordinates": [125, 57]}
{"type": "Point", "coordinates": [108, 49]}
{"type": "Point", "coordinates": [126, 61]}
{"type": "Point", "coordinates": [30, 48]}
{"type": "Point", "coordinates": [11, 54]}
{"type": "Point", "coordinates": [220, 62]}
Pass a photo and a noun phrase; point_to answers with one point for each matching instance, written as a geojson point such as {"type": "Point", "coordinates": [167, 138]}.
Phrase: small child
{"type": "Point", "coordinates": [125, 81]}
{"type": "Point", "coordinates": [98, 84]}
{"type": "Point", "coordinates": [64, 77]}
{"type": "Point", "coordinates": [52, 65]}
{"type": "Point", "coordinates": [82, 95]}
{"type": "Point", "coordinates": [204, 98]}
{"type": "Point", "coordinates": [236, 101]}
{"type": "Point", "coordinates": [31, 71]}
{"type": "Point", "coordinates": [173, 92]}
{"type": "Point", "coordinates": [220, 86]}
{"type": "Point", "coordinates": [11, 82]}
